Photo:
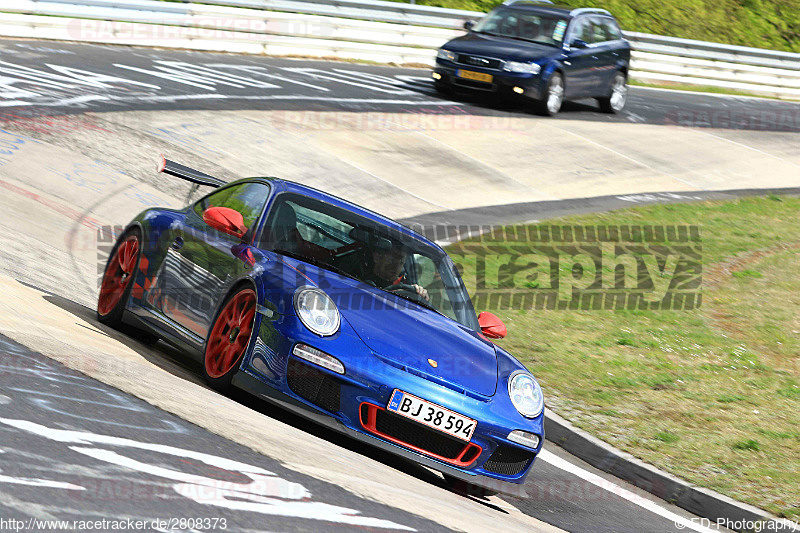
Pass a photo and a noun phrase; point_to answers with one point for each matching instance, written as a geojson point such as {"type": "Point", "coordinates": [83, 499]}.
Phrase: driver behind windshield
{"type": "Point", "coordinates": [384, 267]}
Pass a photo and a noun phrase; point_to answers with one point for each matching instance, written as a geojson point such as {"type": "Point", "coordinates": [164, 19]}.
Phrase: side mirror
{"type": "Point", "coordinates": [491, 326]}
{"type": "Point", "coordinates": [226, 220]}
{"type": "Point", "coordinates": [469, 24]}
{"type": "Point", "coordinates": [579, 43]}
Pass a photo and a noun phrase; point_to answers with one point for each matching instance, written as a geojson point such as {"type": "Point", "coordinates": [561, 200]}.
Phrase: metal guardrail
{"type": "Point", "coordinates": [714, 51]}
{"type": "Point", "coordinates": [372, 10]}
{"type": "Point", "coordinates": [375, 30]}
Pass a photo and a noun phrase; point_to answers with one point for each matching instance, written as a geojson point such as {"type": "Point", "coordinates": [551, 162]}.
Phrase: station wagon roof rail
{"type": "Point", "coordinates": [523, 2]}
{"type": "Point", "coordinates": [582, 10]}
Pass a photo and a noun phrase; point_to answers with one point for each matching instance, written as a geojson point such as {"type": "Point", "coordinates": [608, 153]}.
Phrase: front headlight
{"type": "Point", "coordinates": [446, 54]}
{"type": "Point", "coordinates": [525, 394]}
{"type": "Point", "coordinates": [316, 311]}
{"type": "Point", "coordinates": [528, 68]}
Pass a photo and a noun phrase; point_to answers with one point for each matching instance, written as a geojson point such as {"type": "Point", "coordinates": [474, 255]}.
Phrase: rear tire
{"type": "Point", "coordinates": [229, 338]}
{"type": "Point", "coordinates": [615, 102]}
{"type": "Point", "coordinates": [120, 271]}
{"type": "Point", "coordinates": [553, 96]}
{"type": "Point", "coordinates": [118, 279]}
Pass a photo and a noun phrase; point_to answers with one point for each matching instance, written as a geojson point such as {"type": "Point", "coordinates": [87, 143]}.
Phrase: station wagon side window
{"type": "Point", "coordinates": [246, 198]}
{"type": "Point", "coordinates": [598, 32]}
{"type": "Point", "coordinates": [612, 31]}
{"type": "Point", "coordinates": [582, 29]}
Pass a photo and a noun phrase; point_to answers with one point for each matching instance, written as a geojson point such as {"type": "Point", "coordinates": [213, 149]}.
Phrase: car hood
{"type": "Point", "coordinates": [411, 336]}
{"type": "Point", "coordinates": [500, 47]}
{"type": "Point", "coordinates": [407, 335]}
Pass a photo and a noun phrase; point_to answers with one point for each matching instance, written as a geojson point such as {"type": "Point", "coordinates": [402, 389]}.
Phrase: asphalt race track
{"type": "Point", "coordinates": [43, 401]}
{"type": "Point", "coordinates": [97, 426]}
{"type": "Point", "coordinates": [119, 78]}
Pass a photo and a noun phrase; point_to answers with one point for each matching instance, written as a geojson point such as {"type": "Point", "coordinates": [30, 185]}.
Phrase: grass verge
{"type": "Point", "coordinates": [711, 395]}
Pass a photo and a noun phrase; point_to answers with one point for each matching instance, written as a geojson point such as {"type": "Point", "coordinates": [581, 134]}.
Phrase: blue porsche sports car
{"type": "Point", "coordinates": [334, 312]}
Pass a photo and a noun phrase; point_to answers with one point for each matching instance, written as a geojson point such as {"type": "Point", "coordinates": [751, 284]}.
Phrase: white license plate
{"type": "Point", "coordinates": [432, 415]}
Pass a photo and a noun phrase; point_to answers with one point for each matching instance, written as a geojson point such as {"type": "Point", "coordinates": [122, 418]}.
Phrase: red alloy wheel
{"type": "Point", "coordinates": [118, 275]}
{"type": "Point", "coordinates": [231, 333]}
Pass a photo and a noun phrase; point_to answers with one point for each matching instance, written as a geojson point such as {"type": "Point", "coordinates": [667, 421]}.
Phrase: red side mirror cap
{"type": "Point", "coordinates": [226, 220]}
{"type": "Point", "coordinates": [491, 326]}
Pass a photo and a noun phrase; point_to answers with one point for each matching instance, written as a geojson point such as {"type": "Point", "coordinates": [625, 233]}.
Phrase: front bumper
{"type": "Point", "coordinates": [255, 386]}
{"type": "Point", "coordinates": [349, 403]}
{"type": "Point", "coordinates": [502, 82]}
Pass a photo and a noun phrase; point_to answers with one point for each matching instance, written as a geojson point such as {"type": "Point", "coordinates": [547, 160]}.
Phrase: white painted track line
{"type": "Point", "coordinates": [613, 488]}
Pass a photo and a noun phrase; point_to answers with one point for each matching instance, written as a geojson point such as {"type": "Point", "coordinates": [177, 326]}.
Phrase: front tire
{"type": "Point", "coordinates": [615, 102]}
{"type": "Point", "coordinates": [229, 338]}
{"type": "Point", "coordinates": [553, 96]}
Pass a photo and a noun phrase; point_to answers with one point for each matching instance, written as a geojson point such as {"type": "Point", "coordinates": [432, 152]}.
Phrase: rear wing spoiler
{"type": "Point", "coordinates": [189, 174]}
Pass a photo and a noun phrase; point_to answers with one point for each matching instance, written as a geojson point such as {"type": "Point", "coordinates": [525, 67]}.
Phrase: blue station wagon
{"type": "Point", "coordinates": [541, 52]}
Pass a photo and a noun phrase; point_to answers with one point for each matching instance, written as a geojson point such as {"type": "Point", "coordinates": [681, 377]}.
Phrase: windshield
{"type": "Point", "coordinates": [346, 243]}
{"type": "Point", "coordinates": [525, 25]}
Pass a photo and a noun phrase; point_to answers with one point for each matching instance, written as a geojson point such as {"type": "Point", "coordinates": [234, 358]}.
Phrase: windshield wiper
{"type": "Point", "coordinates": [516, 38]}
{"type": "Point", "coordinates": [418, 302]}
{"type": "Point", "coordinates": [315, 262]}
{"type": "Point", "coordinates": [534, 41]}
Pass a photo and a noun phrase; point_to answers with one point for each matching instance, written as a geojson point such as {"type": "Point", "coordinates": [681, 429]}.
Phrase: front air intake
{"type": "Point", "coordinates": [508, 460]}
{"type": "Point", "coordinates": [314, 385]}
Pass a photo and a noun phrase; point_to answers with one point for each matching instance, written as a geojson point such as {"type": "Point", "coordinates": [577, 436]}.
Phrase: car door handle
{"type": "Point", "coordinates": [594, 57]}
{"type": "Point", "coordinates": [177, 244]}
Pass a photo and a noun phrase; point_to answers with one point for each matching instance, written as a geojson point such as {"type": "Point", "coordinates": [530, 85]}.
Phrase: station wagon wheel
{"type": "Point", "coordinates": [122, 265]}
{"type": "Point", "coordinates": [615, 102]}
{"type": "Point", "coordinates": [553, 96]}
{"type": "Point", "coordinates": [229, 337]}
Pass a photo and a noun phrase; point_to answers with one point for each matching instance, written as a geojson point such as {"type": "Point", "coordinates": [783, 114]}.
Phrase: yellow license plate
{"type": "Point", "coordinates": [477, 76]}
